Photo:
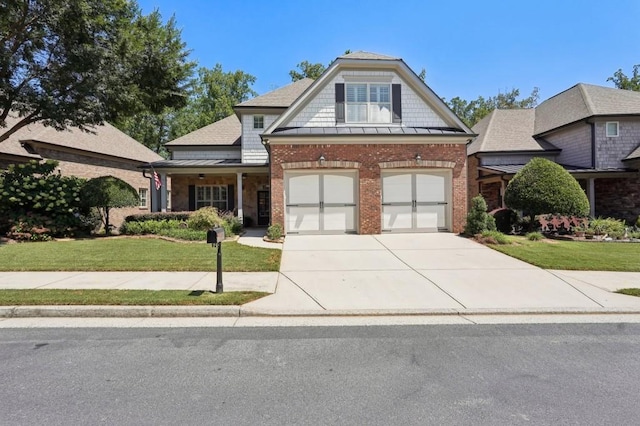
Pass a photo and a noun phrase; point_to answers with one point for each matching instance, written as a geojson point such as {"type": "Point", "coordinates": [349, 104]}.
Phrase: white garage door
{"type": "Point", "coordinates": [321, 203]}
{"type": "Point", "coordinates": [415, 201]}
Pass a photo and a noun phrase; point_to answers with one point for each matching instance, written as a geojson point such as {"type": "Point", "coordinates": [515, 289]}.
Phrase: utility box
{"type": "Point", "coordinates": [215, 235]}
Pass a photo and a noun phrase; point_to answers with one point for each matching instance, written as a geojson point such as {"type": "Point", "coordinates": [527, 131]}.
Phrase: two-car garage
{"type": "Point", "coordinates": [330, 201]}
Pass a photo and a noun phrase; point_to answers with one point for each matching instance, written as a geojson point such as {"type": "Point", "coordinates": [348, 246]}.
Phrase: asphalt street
{"type": "Point", "coordinates": [447, 374]}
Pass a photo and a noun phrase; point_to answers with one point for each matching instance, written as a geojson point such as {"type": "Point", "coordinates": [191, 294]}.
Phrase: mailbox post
{"type": "Point", "coordinates": [215, 237]}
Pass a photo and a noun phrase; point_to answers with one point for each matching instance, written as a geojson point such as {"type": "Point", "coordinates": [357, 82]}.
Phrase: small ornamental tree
{"type": "Point", "coordinates": [542, 187]}
{"type": "Point", "coordinates": [478, 220]}
{"type": "Point", "coordinates": [38, 203]}
{"type": "Point", "coordinates": [107, 192]}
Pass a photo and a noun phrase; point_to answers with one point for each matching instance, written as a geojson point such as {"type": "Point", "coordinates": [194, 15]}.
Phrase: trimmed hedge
{"type": "Point", "coordinates": [159, 216]}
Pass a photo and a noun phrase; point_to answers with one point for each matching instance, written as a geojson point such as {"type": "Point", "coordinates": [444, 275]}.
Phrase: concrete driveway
{"type": "Point", "coordinates": [438, 271]}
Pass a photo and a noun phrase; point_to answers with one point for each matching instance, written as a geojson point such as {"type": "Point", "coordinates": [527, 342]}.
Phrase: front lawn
{"type": "Point", "coordinates": [134, 254]}
{"type": "Point", "coordinates": [575, 255]}
{"type": "Point", "coordinates": [125, 297]}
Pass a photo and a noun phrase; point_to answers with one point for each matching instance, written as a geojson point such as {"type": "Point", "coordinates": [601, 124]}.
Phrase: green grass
{"type": "Point", "coordinates": [575, 255]}
{"type": "Point", "coordinates": [134, 254]}
{"type": "Point", "coordinates": [630, 291]}
{"type": "Point", "coordinates": [124, 297]}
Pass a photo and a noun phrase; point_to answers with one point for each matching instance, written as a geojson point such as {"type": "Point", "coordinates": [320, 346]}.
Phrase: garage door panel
{"type": "Point", "coordinates": [303, 219]}
{"type": "Point", "coordinates": [339, 218]}
{"type": "Point", "coordinates": [430, 217]}
{"type": "Point", "coordinates": [397, 217]}
{"type": "Point", "coordinates": [396, 188]}
{"type": "Point", "coordinates": [430, 188]}
{"type": "Point", "coordinates": [303, 189]}
{"type": "Point", "coordinates": [338, 188]}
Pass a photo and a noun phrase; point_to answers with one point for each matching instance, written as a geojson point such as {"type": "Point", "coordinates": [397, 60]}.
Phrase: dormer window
{"type": "Point", "coordinates": [612, 129]}
{"type": "Point", "coordinates": [368, 103]}
{"type": "Point", "coordinates": [258, 121]}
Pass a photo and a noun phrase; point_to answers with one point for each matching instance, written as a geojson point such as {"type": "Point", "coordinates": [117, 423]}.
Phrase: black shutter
{"type": "Point", "coordinates": [396, 101]}
{"type": "Point", "coordinates": [192, 198]}
{"type": "Point", "coordinates": [231, 199]}
{"type": "Point", "coordinates": [339, 102]}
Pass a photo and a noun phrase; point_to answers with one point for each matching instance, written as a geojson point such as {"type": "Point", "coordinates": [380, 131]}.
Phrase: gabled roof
{"type": "Point", "coordinates": [583, 101]}
{"type": "Point", "coordinates": [104, 139]}
{"type": "Point", "coordinates": [635, 154]}
{"type": "Point", "coordinates": [279, 98]}
{"type": "Point", "coordinates": [224, 132]}
{"type": "Point", "coordinates": [367, 60]}
{"type": "Point", "coordinates": [507, 130]}
{"type": "Point", "coordinates": [368, 56]}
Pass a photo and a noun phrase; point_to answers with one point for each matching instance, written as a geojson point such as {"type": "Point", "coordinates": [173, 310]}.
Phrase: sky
{"type": "Point", "coordinates": [468, 48]}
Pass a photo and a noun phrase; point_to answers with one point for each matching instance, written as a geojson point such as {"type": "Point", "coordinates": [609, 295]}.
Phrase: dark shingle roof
{"type": "Point", "coordinates": [515, 168]}
{"type": "Point", "coordinates": [507, 130]}
{"type": "Point", "coordinates": [582, 101]}
{"type": "Point", "coordinates": [224, 132]}
{"type": "Point", "coordinates": [104, 139]}
{"type": "Point", "coordinates": [279, 98]}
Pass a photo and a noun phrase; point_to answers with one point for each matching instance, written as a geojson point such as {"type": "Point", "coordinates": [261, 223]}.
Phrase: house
{"type": "Point", "coordinates": [366, 148]}
{"type": "Point", "coordinates": [103, 151]}
{"type": "Point", "coordinates": [592, 131]}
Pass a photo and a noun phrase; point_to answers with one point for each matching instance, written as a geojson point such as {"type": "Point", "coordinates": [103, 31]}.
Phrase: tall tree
{"type": "Point", "coordinates": [473, 111]}
{"type": "Point", "coordinates": [214, 93]}
{"type": "Point", "coordinates": [628, 83]}
{"type": "Point", "coordinates": [307, 70]}
{"type": "Point", "coordinates": [77, 63]}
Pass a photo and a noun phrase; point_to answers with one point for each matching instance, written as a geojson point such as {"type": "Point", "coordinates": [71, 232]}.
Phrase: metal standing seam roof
{"type": "Point", "coordinates": [515, 168]}
{"type": "Point", "coordinates": [169, 164]}
{"type": "Point", "coordinates": [104, 139]}
{"type": "Point", "coordinates": [366, 130]}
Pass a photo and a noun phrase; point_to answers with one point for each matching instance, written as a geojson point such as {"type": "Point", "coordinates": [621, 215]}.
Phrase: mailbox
{"type": "Point", "coordinates": [215, 235]}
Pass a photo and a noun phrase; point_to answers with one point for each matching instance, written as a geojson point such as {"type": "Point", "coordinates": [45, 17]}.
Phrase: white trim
{"type": "Point", "coordinates": [256, 117]}
{"type": "Point", "coordinates": [143, 198]}
{"type": "Point", "coordinates": [606, 129]}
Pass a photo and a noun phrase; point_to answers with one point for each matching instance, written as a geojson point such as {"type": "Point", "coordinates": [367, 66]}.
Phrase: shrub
{"type": "Point", "coordinates": [149, 227]}
{"type": "Point", "coordinates": [205, 219]}
{"type": "Point", "coordinates": [534, 236]}
{"type": "Point", "coordinates": [107, 192]}
{"type": "Point", "coordinates": [542, 187]}
{"type": "Point", "coordinates": [231, 224]}
{"type": "Point", "coordinates": [477, 219]}
{"type": "Point", "coordinates": [274, 232]}
{"type": "Point", "coordinates": [494, 237]}
{"type": "Point", "coordinates": [506, 220]}
{"type": "Point", "coordinates": [143, 217]}
{"type": "Point", "coordinates": [184, 234]}
{"type": "Point", "coordinates": [612, 227]}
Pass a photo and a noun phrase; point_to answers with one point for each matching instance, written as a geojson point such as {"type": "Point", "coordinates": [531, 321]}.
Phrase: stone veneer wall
{"type": "Point", "coordinates": [368, 157]}
{"type": "Point", "coordinates": [619, 198]}
{"type": "Point", "coordinates": [491, 193]}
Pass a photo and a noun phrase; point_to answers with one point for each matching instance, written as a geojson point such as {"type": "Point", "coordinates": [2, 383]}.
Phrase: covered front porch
{"type": "Point", "coordinates": [240, 189]}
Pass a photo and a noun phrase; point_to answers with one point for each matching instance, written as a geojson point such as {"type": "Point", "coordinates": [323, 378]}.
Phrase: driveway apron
{"type": "Point", "coordinates": [414, 272]}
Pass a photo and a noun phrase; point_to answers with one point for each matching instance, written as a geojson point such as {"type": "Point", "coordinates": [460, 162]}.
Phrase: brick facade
{"type": "Point", "coordinates": [491, 193]}
{"type": "Point", "coordinates": [618, 198]}
{"type": "Point", "coordinates": [367, 159]}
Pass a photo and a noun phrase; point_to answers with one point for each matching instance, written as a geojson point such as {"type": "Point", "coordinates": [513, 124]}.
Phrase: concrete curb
{"type": "Point", "coordinates": [238, 311]}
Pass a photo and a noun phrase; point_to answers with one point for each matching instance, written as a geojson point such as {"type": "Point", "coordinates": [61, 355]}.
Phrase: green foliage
{"type": "Point", "coordinates": [107, 192]}
{"type": "Point", "coordinates": [150, 227]}
{"type": "Point", "coordinates": [478, 220]}
{"type": "Point", "coordinates": [534, 236]}
{"type": "Point", "coordinates": [78, 63]}
{"type": "Point", "coordinates": [184, 234]}
{"type": "Point", "coordinates": [506, 220]}
{"type": "Point", "coordinates": [307, 70]}
{"type": "Point", "coordinates": [614, 228]}
{"type": "Point", "coordinates": [621, 80]}
{"type": "Point", "coordinates": [473, 111]}
{"type": "Point", "coordinates": [274, 232]}
{"type": "Point", "coordinates": [143, 217]}
{"type": "Point", "coordinates": [231, 224]}
{"type": "Point", "coordinates": [36, 203]}
{"type": "Point", "coordinates": [204, 219]}
{"type": "Point", "coordinates": [542, 187]}
{"type": "Point", "coordinates": [495, 237]}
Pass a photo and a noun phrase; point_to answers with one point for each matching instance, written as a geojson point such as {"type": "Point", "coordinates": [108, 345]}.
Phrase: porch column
{"type": "Point", "coordinates": [591, 193]}
{"type": "Point", "coordinates": [239, 200]}
{"type": "Point", "coordinates": [503, 188]}
{"type": "Point", "coordinates": [163, 192]}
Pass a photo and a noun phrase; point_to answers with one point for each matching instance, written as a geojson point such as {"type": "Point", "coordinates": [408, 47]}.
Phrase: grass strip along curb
{"type": "Point", "coordinates": [125, 297]}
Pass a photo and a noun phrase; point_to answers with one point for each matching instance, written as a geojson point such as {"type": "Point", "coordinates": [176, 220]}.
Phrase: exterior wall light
{"type": "Point", "coordinates": [321, 159]}
{"type": "Point", "coordinates": [418, 158]}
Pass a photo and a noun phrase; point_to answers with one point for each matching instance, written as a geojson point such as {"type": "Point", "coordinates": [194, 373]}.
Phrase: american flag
{"type": "Point", "coordinates": [156, 180]}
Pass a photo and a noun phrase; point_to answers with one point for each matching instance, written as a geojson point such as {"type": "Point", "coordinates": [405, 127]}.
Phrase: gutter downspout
{"type": "Point", "coordinates": [153, 198]}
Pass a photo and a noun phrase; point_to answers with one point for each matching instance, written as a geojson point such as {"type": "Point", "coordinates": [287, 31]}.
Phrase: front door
{"type": "Point", "coordinates": [263, 208]}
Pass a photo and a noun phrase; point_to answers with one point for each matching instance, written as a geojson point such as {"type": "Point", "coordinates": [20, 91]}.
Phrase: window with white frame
{"type": "Point", "coordinates": [258, 121]}
{"type": "Point", "coordinates": [368, 103]}
{"type": "Point", "coordinates": [211, 195]}
{"type": "Point", "coordinates": [143, 194]}
{"type": "Point", "coordinates": [612, 129]}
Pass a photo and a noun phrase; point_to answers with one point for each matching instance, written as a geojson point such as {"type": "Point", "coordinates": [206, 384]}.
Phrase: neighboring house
{"type": "Point", "coordinates": [592, 131]}
{"type": "Point", "coordinates": [366, 148]}
{"type": "Point", "coordinates": [103, 151]}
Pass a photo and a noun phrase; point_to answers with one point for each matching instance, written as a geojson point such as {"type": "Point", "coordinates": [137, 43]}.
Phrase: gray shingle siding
{"type": "Point", "coordinates": [611, 151]}
{"type": "Point", "coordinates": [575, 143]}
